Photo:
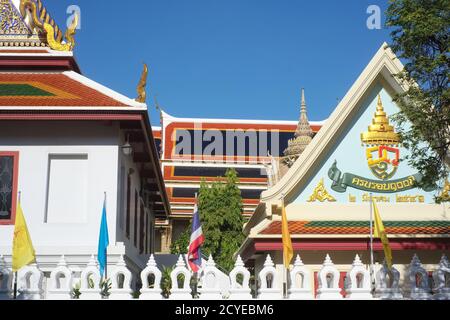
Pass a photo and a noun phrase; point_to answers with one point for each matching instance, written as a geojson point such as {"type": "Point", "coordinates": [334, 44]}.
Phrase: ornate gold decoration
{"type": "Point", "coordinates": [11, 22]}
{"type": "Point", "coordinates": [142, 95]}
{"type": "Point", "coordinates": [380, 131]}
{"type": "Point", "coordinates": [445, 194]}
{"type": "Point", "coordinates": [321, 194]}
{"type": "Point", "coordinates": [70, 41]}
{"type": "Point", "coordinates": [42, 20]}
{"type": "Point", "coordinates": [302, 137]}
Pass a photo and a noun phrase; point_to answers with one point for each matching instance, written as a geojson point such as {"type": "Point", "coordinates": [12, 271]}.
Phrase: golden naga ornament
{"type": "Point", "coordinates": [142, 95]}
{"type": "Point", "coordinates": [321, 194]}
{"type": "Point", "coordinates": [42, 21]}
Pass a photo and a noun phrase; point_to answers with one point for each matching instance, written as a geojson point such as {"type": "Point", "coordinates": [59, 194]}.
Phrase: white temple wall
{"type": "Point", "coordinates": [64, 151]}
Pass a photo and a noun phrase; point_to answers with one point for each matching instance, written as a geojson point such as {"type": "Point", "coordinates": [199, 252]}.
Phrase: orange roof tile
{"type": "Point", "coordinates": [56, 89]}
{"type": "Point", "coordinates": [358, 227]}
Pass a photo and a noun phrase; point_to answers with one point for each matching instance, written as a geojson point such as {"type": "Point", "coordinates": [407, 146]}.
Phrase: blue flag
{"type": "Point", "coordinates": [103, 242]}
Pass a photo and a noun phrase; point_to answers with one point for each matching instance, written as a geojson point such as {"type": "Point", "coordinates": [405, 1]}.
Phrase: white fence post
{"type": "Point", "coordinates": [238, 291]}
{"type": "Point", "coordinates": [60, 282]}
{"type": "Point", "coordinates": [328, 281]}
{"type": "Point", "coordinates": [29, 283]}
{"type": "Point", "coordinates": [210, 289]}
{"type": "Point", "coordinates": [148, 293]}
{"type": "Point", "coordinates": [358, 282]}
{"type": "Point", "coordinates": [269, 281]}
{"type": "Point", "coordinates": [90, 281]}
{"type": "Point", "coordinates": [6, 276]}
{"type": "Point", "coordinates": [300, 281]}
{"type": "Point", "coordinates": [441, 276]}
{"type": "Point", "coordinates": [418, 280]}
{"type": "Point", "coordinates": [177, 293]}
{"type": "Point", "coordinates": [121, 291]}
{"type": "Point", "coordinates": [387, 283]}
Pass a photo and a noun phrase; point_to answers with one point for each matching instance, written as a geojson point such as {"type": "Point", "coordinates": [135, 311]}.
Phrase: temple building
{"type": "Point", "coordinates": [357, 155]}
{"type": "Point", "coordinates": [261, 151]}
{"type": "Point", "coordinates": [69, 146]}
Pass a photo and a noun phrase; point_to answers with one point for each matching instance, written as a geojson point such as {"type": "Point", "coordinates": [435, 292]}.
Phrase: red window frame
{"type": "Point", "coordinates": [15, 155]}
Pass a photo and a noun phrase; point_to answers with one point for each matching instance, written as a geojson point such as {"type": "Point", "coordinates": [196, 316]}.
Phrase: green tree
{"type": "Point", "coordinates": [420, 34]}
{"type": "Point", "coordinates": [220, 207]}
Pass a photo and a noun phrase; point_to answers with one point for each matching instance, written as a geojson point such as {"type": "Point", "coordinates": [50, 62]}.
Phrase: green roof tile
{"type": "Point", "coordinates": [15, 89]}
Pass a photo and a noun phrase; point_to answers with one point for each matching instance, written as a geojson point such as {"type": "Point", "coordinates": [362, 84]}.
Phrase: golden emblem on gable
{"type": "Point", "coordinates": [321, 194]}
{"type": "Point", "coordinates": [381, 140]}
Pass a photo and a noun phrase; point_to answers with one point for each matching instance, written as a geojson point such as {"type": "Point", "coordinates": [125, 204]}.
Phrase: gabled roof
{"type": "Point", "coordinates": [382, 67]}
{"type": "Point", "coordinates": [66, 90]}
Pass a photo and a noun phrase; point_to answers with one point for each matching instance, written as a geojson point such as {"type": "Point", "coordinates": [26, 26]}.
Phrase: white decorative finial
{"type": "Point", "coordinates": [92, 262]}
{"type": "Point", "coordinates": [415, 261]}
{"type": "Point", "coordinates": [151, 261]}
{"type": "Point", "coordinates": [268, 262]}
{"type": "Point", "coordinates": [210, 262]}
{"type": "Point", "coordinates": [62, 262]}
{"type": "Point", "coordinates": [444, 261]}
{"type": "Point", "coordinates": [121, 262]}
{"type": "Point", "coordinates": [180, 262]}
{"type": "Point", "coordinates": [328, 261]}
{"type": "Point", "coordinates": [239, 262]}
{"type": "Point", "coordinates": [298, 262]}
{"type": "Point", "coordinates": [357, 261]}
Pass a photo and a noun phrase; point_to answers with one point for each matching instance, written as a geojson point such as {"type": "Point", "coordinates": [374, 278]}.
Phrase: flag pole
{"type": "Point", "coordinates": [285, 269]}
{"type": "Point", "coordinates": [195, 273]}
{"type": "Point", "coordinates": [106, 248]}
{"type": "Point", "coordinates": [15, 273]}
{"type": "Point", "coordinates": [371, 242]}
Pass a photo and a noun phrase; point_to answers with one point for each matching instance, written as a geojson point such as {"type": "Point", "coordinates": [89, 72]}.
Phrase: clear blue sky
{"type": "Point", "coordinates": [243, 59]}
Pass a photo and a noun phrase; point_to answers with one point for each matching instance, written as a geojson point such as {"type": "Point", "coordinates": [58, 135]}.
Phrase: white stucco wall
{"type": "Point", "coordinates": [35, 142]}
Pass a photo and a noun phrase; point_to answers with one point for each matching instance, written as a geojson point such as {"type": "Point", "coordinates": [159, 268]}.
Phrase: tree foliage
{"type": "Point", "coordinates": [420, 34]}
{"type": "Point", "coordinates": [220, 208]}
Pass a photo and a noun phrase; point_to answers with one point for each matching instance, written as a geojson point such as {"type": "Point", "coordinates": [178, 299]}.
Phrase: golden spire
{"type": "Point", "coordinates": [380, 131]}
{"type": "Point", "coordinates": [142, 95]}
{"type": "Point", "coordinates": [303, 134]}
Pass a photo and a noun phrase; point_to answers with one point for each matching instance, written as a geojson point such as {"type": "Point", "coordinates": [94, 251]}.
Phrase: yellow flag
{"type": "Point", "coordinates": [23, 251]}
{"type": "Point", "coordinates": [288, 251]}
{"type": "Point", "coordinates": [379, 232]}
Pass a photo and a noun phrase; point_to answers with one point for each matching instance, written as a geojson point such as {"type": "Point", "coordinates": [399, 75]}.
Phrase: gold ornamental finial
{"type": "Point", "coordinates": [380, 131]}
{"type": "Point", "coordinates": [142, 95]}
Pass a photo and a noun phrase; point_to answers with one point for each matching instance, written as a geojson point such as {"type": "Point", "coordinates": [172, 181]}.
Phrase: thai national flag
{"type": "Point", "coordinates": [197, 239]}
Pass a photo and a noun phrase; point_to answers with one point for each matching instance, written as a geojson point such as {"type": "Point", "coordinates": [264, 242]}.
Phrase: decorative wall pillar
{"type": "Point", "coordinates": [329, 281]}
{"type": "Point", "coordinates": [238, 291]}
{"type": "Point", "coordinates": [210, 289]}
{"type": "Point", "coordinates": [417, 277]}
{"type": "Point", "coordinates": [183, 293]}
{"type": "Point", "coordinates": [121, 291]}
{"type": "Point", "coordinates": [148, 293]}
{"type": "Point", "coordinates": [300, 281]}
{"type": "Point", "coordinates": [387, 284]}
{"type": "Point", "coordinates": [90, 281]}
{"type": "Point", "coordinates": [29, 283]}
{"type": "Point", "coordinates": [358, 282]}
{"type": "Point", "coordinates": [269, 282]}
{"type": "Point", "coordinates": [6, 279]}
{"type": "Point", "coordinates": [441, 279]}
{"type": "Point", "coordinates": [60, 282]}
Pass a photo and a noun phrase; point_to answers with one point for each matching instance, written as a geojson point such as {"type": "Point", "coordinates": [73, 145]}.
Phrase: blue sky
{"type": "Point", "coordinates": [243, 59]}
